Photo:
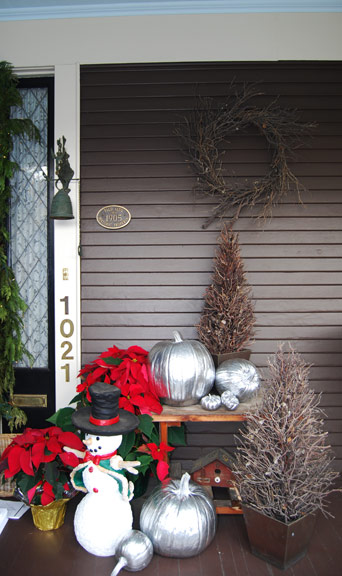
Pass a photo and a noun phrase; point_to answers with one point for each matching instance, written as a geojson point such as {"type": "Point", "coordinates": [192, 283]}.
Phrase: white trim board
{"type": "Point", "coordinates": [41, 9]}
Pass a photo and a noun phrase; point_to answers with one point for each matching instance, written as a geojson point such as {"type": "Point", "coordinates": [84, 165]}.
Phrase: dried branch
{"type": "Point", "coordinates": [203, 133]}
{"type": "Point", "coordinates": [283, 463]}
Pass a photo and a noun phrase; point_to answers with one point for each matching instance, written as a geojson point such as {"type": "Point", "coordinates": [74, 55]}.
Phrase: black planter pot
{"type": "Point", "coordinates": [276, 542]}
{"type": "Point", "coordinates": [219, 358]}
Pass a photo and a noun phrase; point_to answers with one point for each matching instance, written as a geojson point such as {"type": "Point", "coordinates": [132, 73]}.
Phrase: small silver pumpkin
{"type": "Point", "coordinates": [134, 552]}
{"type": "Point", "coordinates": [179, 517]}
{"type": "Point", "coordinates": [229, 400]}
{"type": "Point", "coordinates": [239, 376]}
{"type": "Point", "coordinates": [183, 371]}
{"type": "Point", "coordinates": [211, 402]}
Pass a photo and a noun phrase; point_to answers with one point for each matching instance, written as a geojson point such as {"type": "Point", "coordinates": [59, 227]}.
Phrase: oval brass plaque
{"type": "Point", "coordinates": [113, 217]}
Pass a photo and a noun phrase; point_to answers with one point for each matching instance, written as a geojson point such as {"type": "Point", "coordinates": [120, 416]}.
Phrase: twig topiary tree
{"type": "Point", "coordinates": [227, 318]}
{"type": "Point", "coordinates": [12, 306]}
{"type": "Point", "coordinates": [283, 462]}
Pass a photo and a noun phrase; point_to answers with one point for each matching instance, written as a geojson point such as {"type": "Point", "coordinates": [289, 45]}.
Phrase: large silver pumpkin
{"type": "Point", "coordinates": [239, 376]}
{"type": "Point", "coordinates": [179, 517]}
{"type": "Point", "coordinates": [182, 371]}
{"type": "Point", "coordinates": [134, 552]}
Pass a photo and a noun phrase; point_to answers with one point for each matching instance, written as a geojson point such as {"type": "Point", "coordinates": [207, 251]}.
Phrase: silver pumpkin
{"type": "Point", "coordinates": [182, 371]}
{"type": "Point", "coordinates": [239, 376]}
{"type": "Point", "coordinates": [229, 400]}
{"type": "Point", "coordinates": [211, 402]}
{"type": "Point", "coordinates": [134, 552]}
{"type": "Point", "coordinates": [179, 517]}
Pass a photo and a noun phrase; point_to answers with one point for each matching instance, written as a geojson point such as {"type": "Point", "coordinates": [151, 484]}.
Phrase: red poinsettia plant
{"type": "Point", "coordinates": [128, 369]}
{"type": "Point", "coordinates": [36, 460]}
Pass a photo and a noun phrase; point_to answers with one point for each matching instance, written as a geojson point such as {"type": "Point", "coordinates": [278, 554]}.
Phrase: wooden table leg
{"type": "Point", "coordinates": [163, 430]}
{"type": "Point", "coordinates": [163, 433]}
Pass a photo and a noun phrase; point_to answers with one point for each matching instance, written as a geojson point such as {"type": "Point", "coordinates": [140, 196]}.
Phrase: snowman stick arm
{"type": "Point", "coordinates": [119, 464]}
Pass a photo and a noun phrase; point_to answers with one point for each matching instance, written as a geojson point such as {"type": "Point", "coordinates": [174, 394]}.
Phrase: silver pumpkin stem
{"type": "Point", "coordinates": [184, 488]}
{"type": "Point", "coordinates": [177, 336]}
{"type": "Point", "coordinates": [122, 562]}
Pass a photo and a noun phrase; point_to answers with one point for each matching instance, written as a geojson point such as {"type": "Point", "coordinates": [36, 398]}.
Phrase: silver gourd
{"type": "Point", "coordinates": [179, 517]}
{"type": "Point", "coordinates": [239, 376]}
{"type": "Point", "coordinates": [134, 552]}
{"type": "Point", "coordinates": [229, 400]}
{"type": "Point", "coordinates": [211, 402]}
{"type": "Point", "coordinates": [182, 371]}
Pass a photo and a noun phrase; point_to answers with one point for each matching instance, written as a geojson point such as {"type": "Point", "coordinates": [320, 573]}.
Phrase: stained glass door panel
{"type": "Point", "coordinates": [31, 251]}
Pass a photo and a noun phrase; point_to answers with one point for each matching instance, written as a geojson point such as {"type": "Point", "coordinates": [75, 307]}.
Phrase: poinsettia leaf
{"type": "Point", "coordinates": [63, 478]}
{"type": "Point", "coordinates": [71, 440]}
{"type": "Point", "coordinates": [76, 399]}
{"type": "Point", "coordinates": [145, 460]}
{"type": "Point", "coordinates": [146, 424]}
{"type": "Point", "coordinates": [154, 436]}
{"type": "Point", "coordinates": [26, 462]}
{"type": "Point", "coordinates": [126, 444]}
{"type": "Point", "coordinates": [62, 418]}
{"type": "Point", "coordinates": [162, 470]}
{"type": "Point", "coordinates": [176, 435]}
{"type": "Point", "coordinates": [59, 491]}
{"type": "Point", "coordinates": [51, 473]}
{"type": "Point", "coordinates": [69, 459]}
{"type": "Point", "coordinates": [111, 361]}
{"type": "Point", "coordinates": [25, 483]}
{"type": "Point", "coordinates": [48, 494]}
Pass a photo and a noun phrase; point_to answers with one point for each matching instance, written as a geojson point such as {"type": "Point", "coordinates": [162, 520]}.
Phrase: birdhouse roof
{"type": "Point", "coordinates": [217, 454]}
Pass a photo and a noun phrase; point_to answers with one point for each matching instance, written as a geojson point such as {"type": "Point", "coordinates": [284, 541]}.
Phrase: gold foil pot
{"type": "Point", "coordinates": [49, 517]}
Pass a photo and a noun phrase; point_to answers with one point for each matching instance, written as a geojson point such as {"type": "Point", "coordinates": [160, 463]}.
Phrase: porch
{"type": "Point", "coordinates": [25, 550]}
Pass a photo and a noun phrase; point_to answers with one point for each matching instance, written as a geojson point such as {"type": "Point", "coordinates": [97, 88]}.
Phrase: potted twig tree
{"type": "Point", "coordinates": [227, 318]}
{"type": "Point", "coordinates": [283, 463]}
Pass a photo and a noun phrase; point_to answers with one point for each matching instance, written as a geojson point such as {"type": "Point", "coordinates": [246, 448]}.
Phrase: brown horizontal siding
{"type": "Point", "coordinates": [148, 279]}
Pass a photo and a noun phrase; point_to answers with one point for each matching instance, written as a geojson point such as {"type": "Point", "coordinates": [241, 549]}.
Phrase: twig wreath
{"type": "Point", "coordinates": [205, 131]}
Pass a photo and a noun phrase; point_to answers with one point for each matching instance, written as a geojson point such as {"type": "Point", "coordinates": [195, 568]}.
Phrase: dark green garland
{"type": "Point", "coordinates": [12, 305]}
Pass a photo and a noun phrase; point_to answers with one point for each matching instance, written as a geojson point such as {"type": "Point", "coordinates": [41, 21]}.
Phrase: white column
{"type": "Point", "coordinates": [66, 242]}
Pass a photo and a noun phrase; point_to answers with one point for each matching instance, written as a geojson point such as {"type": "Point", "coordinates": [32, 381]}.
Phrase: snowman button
{"type": "Point", "coordinates": [95, 490]}
{"type": "Point", "coordinates": [91, 469]}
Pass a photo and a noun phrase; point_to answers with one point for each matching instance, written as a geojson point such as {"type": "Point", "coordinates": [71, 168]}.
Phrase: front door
{"type": "Point", "coordinates": [31, 251]}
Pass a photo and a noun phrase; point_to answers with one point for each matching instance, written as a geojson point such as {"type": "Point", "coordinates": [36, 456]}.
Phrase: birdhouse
{"type": "Point", "coordinates": [214, 472]}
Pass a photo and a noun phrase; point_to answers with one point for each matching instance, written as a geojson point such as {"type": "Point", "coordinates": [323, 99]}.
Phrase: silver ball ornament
{"type": "Point", "coordinates": [134, 552]}
{"type": "Point", "coordinates": [239, 376]}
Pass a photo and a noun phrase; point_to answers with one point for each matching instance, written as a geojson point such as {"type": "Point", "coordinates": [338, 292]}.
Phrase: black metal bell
{"type": "Point", "coordinates": [61, 207]}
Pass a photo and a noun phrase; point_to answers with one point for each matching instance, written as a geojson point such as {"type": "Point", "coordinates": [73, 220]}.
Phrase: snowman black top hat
{"type": "Point", "coordinates": [103, 416]}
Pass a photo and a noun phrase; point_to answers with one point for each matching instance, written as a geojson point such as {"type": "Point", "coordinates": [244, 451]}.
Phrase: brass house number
{"type": "Point", "coordinates": [66, 329]}
{"type": "Point", "coordinates": [113, 217]}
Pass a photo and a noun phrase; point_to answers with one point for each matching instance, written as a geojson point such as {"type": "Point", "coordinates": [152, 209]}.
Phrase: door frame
{"type": "Point", "coordinates": [66, 235]}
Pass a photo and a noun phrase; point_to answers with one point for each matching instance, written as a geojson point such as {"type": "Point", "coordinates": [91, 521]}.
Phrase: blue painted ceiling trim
{"type": "Point", "coordinates": [50, 9]}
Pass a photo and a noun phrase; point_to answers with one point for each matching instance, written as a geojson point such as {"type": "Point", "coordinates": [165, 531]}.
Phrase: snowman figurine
{"type": "Point", "coordinates": [104, 515]}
